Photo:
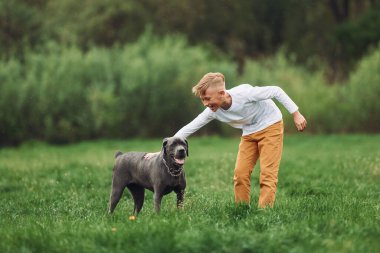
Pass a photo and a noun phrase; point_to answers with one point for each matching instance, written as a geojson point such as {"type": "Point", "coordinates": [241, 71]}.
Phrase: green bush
{"type": "Point", "coordinates": [144, 90]}
{"type": "Point", "coordinates": [140, 90]}
{"type": "Point", "coordinates": [361, 104]}
{"type": "Point", "coordinates": [11, 128]}
{"type": "Point", "coordinates": [51, 101]}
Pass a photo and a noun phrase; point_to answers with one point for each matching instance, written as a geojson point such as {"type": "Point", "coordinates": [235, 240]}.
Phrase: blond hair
{"type": "Point", "coordinates": [207, 81]}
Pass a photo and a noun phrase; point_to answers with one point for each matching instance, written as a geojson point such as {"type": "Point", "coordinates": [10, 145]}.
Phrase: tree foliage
{"type": "Point", "coordinates": [336, 32]}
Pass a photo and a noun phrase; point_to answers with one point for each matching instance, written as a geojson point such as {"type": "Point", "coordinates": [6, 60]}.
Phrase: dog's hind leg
{"type": "Point", "coordinates": [114, 199]}
{"type": "Point", "coordinates": [116, 192]}
{"type": "Point", "coordinates": [138, 194]}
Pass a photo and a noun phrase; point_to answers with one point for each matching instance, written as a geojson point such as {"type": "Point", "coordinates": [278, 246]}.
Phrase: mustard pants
{"type": "Point", "coordinates": [266, 145]}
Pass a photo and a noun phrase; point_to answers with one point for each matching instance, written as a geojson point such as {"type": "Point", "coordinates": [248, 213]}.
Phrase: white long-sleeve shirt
{"type": "Point", "coordinates": [252, 110]}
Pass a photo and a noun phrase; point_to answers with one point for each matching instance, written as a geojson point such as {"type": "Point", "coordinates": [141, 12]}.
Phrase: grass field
{"type": "Point", "coordinates": [54, 199]}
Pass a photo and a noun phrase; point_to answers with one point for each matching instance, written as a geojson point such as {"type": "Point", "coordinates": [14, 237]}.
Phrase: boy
{"type": "Point", "coordinates": [252, 110]}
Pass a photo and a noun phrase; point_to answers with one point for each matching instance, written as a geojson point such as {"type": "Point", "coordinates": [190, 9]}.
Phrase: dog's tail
{"type": "Point", "coordinates": [118, 153]}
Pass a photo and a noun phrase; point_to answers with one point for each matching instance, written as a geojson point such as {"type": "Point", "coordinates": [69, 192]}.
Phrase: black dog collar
{"type": "Point", "coordinates": [172, 171]}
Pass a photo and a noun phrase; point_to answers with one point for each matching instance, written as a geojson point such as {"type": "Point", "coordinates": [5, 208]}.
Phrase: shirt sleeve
{"type": "Point", "coordinates": [258, 93]}
{"type": "Point", "coordinates": [201, 120]}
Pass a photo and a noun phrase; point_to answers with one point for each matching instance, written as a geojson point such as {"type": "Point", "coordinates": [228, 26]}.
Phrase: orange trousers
{"type": "Point", "coordinates": [267, 145]}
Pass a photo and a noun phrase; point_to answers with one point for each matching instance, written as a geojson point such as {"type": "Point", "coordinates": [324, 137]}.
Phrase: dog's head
{"type": "Point", "coordinates": [175, 150]}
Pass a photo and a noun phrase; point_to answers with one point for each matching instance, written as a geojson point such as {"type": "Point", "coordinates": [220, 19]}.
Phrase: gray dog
{"type": "Point", "coordinates": [161, 174]}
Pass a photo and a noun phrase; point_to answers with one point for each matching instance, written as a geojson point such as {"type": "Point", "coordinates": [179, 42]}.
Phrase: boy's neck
{"type": "Point", "coordinates": [227, 102]}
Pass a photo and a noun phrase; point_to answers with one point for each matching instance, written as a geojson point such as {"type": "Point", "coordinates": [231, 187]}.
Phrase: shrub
{"type": "Point", "coordinates": [139, 90]}
{"type": "Point", "coordinates": [144, 90]}
{"type": "Point", "coordinates": [361, 103]}
{"type": "Point", "coordinates": [11, 127]}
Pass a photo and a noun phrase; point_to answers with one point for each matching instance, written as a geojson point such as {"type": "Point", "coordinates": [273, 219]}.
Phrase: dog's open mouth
{"type": "Point", "coordinates": [179, 161]}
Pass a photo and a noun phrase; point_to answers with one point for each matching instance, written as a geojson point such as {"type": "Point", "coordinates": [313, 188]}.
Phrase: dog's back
{"type": "Point", "coordinates": [130, 159]}
{"type": "Point", "coordinates": [133, 168]}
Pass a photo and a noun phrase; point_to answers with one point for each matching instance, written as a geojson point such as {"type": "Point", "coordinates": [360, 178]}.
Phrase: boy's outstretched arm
{"type": "Point", "coordinates": [201, 120]}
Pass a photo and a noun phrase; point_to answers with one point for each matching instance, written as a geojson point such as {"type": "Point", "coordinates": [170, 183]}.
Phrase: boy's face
{"type": "Point", "coordinates": [213, 98]}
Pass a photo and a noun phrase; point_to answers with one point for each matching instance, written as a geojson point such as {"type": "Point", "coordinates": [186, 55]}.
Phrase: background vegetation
{"type": "Point", "coordinates": [338, 32]}
{"type": "Point", "coordinates": [77, 70]}
{"type": "Point", "coordinates": [54, 199]}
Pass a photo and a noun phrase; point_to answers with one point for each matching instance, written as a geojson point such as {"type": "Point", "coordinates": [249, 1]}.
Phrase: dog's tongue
{"type": "Point", "coordinates": [180, 161]}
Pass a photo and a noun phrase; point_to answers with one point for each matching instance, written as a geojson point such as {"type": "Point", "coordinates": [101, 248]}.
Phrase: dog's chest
{"type": "Point", "coordinates": [175, 183]}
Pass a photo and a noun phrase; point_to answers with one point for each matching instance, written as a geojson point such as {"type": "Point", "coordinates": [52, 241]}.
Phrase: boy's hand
{"type": "Point", "coordinates": [299, 121]}
{"type": "Point", "coordinates": [150, 155]}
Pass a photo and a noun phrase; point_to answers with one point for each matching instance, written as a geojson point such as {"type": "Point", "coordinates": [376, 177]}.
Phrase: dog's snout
{"type": "Point", "coordinates": [181, 151]}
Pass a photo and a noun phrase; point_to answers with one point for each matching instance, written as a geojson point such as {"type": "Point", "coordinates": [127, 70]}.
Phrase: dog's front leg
{"type": "Point", "coordinates": [180, 197]}
{"type": "Point", "coordinates": [157, 197]}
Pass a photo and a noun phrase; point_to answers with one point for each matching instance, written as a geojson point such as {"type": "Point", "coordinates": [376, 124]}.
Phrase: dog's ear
{"type": "Point", "coordinates": [187, 147]}
{"type": "Point", "coordinates": [164, 143]}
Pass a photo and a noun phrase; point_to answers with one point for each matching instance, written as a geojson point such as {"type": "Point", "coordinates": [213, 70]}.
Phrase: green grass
{"type": "Point", "coordinates": [54, 199]}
